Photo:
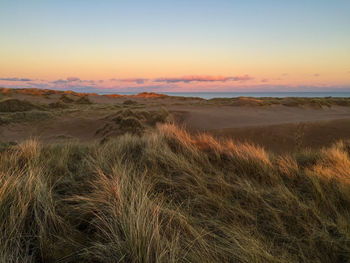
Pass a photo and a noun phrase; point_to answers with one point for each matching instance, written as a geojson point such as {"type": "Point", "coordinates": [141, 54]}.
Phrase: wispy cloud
{"type": "Point", "coordinates": [73, 79]}
{"type": "Point", "coordinates": [205, 78]}
{"type": "Point", "coordinates": [59, 81]}
{"type": "Point", "coordinates": [136, 80]}
{"type": "Point", "coordinates": [15, 79]}
{"type": "Point", "coordinates": [193, 83]}
{"type": "Point", "coordinates": [67, 80]}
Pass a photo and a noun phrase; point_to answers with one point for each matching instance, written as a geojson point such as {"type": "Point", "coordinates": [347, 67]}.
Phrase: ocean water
{"type": "Point", "coordinates": [210, 95]}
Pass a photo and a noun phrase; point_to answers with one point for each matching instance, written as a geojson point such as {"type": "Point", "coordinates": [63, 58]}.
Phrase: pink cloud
{"type": "Point", "coordinates": [191, 83]}
{"type": "Point", "coordinates": [73, 79]}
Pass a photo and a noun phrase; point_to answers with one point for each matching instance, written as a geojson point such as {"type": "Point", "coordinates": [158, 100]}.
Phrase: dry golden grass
{"type": "Point", "coordinates": [168, 196]}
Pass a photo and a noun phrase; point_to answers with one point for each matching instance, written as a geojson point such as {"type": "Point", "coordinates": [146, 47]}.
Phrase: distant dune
{"type": "Point", "coordinates": [278, 124]}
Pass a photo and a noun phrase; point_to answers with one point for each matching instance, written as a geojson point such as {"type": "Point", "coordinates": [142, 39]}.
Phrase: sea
{"type": "Point", "coordinates": [211, 95]}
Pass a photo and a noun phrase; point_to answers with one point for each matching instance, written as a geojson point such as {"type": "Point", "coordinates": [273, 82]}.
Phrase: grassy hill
{"type": "Point", "coordinates": [168, 196]}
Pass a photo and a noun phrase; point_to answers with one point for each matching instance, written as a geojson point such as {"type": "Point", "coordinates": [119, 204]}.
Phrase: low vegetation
{"type": "Point", "coordinates": [83, 100]}
{"type": "Point", "coordinates": [25, 116]}
{"type": "Point", "coordinates": [65, 99]}
{"type": "Point", "coordinates": [167, 196]}
{"type": "Point", "coordinates": [132, 121]}
{"type": "Point", "coordinates": [129, 102]}
{"type": "Point", "coordinates": [14, 105]}
{"type": "Point", "coordinates": [41, 92]}
{"type": "Point", "coordinates": [288, 101]}
{"type": "Point", "coordinates": [58, 105]}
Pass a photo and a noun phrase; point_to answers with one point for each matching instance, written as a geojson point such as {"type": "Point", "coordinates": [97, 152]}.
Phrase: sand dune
{"type": "Point", "coordinates": [275, 126]}
{"type": "Point", "coordinates": [211, 118]}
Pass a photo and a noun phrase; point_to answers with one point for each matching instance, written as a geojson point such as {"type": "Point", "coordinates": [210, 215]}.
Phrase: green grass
{"type": "Point", "coordinates": [168, 196]}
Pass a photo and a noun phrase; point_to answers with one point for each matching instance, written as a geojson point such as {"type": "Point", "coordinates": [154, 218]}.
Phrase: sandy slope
{"type": "Point", "coordinates": [212, 118]}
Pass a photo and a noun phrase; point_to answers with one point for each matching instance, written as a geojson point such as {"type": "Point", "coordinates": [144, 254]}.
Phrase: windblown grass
{"type": "Point", "coordinates": [168, 196]}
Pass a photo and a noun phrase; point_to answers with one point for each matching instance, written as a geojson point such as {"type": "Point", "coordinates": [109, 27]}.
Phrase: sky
{"type": "Point", "coordinates": [182, 45]}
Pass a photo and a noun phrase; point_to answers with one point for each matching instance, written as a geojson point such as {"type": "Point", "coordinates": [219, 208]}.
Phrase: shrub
{"type": "Point", "coordinates": [129, 102]}
{"type": "Point", "coordinates": [65, 99]}
{"type": "Point", "coordinates": [83, 100]}
{"type": "Point", "coordinates": [132, 125]}
{"type": "Point", "coordinates": [58, 105]}
{"type": "Point", "coordinates": [158, 116]}
{"type": "Point", "coordinates": [122, 114]}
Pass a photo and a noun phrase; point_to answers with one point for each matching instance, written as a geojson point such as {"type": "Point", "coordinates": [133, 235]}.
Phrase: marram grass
{"type": "Point", "coordinates": [168, 196]}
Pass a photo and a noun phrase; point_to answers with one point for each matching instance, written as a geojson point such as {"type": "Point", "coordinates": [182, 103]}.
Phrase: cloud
{"type": "Point", "coordinates": [67, 80]}
{"type": "Point", "coordinates": [188, 79]}
{"type": "Point", "coordinates": [73, 79]}
{"type": "Point", "coordinates": [316, 75]}
{"type": "Point", "coordinates": [15, 79]}
{"type": "Point", "coordinates": [242, 78]}
{"type": "Point", "coordinates": [131, 80]}
{"type": "Point", "coordinates": [137, 80]}
{"type": "Point", "coordinates": [59, 81]}
{"type": "Point", "coordinates": [265, 80]}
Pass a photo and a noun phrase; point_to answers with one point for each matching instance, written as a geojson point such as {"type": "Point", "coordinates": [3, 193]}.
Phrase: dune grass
{"type": "Point", "coordinates": [14, 105]}
{"type": "Point", "coordinates": [26, 116]}
{"type": "Point", "coordinates": [168, 196]}
{"type": "Point", "coordinates": [132, 121]}
{"type": "Point", "coordinates": [83, 100]}
{"type": "Point", "coordinates": [287, 101]}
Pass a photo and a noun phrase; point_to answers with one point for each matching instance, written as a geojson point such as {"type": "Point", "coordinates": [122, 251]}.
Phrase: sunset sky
{"type": "Point", "coordinates": [182, 45]}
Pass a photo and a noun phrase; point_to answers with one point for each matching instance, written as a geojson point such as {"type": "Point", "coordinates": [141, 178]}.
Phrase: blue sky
{"type": "Point", "coordinates": [171, 39]}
